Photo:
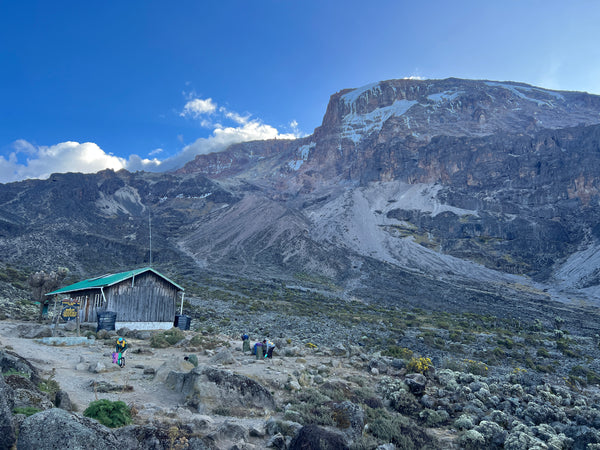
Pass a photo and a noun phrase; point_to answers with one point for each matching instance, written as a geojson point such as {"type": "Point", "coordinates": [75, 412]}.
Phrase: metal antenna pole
{"type": "Point", "coordinates": [150, 232]}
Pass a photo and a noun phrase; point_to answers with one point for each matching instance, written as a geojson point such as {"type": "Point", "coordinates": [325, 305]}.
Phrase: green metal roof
{"type": "Point", "coordinates": [108, 280]}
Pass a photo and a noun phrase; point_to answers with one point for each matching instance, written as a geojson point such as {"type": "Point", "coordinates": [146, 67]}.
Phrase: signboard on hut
{"type": "Point", "coordinates": [70, 309]}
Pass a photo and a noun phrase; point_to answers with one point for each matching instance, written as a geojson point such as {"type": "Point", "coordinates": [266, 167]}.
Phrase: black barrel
{"type": "Point", "coordinates": [182, 321]}
{"type": "Point", "coordinates": [106, 320]}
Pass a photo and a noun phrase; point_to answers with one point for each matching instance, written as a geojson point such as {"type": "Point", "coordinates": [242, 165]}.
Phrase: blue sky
{"type": "Point", "coordinates": [150, 84]}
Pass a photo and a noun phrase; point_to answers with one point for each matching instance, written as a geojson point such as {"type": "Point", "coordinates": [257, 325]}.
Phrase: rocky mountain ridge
{"type": "Point", "coordinates": [459, 194]}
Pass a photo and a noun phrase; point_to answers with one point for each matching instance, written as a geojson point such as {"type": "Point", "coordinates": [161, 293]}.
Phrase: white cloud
{"type": "Point", "coordinates": [42, 161]}
{"type": "Point", "coordinates": [198, 107]}
{"type": "Point", "coordinates": [228, 127]}
{"type": "Point", "coordinates": [221, 138]}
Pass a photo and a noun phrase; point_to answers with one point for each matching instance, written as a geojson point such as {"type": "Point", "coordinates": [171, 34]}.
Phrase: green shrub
{"type": "Point", "coordinates": [108, 413]}
{"type": "Point", "coordinates": [396, 351]}
{"type": "Point", "coordinates": [314, 408]}
{"type": "Point", "coordinates": [543, 353]}
{"type": "Point", "coordinates": [27, 410]}
{"type": "Point", "coordinates": [405, 402]}
{"type": "Point", "coordinates": [586, 374]}
{"type": "Point", "coordinates": [562, 344]}
{"type": "Point", "coordinates": [401, 431]}
{"type": "Point", "coordinates": [166, 338]}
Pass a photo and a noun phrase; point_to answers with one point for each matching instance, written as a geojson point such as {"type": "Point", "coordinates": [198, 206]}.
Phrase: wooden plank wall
{"type": "Point", "coordinates": [150, 299]}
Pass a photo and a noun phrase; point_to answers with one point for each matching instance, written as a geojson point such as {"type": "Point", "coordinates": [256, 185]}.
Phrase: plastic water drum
{"type": "Point", "coordinates": [106, 320]}
{"type": "Point", "coordinates": [182, 321]}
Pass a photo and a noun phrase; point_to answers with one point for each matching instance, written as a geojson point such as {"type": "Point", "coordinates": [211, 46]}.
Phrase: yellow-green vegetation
{"type": "Point", "coordinates": [177, 440]}
{"type": "Point", "coordinates": [475, 367]}
{"type": "Point", "coordinates": [166, 338]}
{"type": "Point", "coordinates": [396, 351]}
{"type": "Point", "coordinates": [419, 365]}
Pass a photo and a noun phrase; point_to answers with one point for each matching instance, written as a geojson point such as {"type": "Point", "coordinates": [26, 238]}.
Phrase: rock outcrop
{"type": "Point", "coordinates": [207, 389]}
{"type": "Point", "coordinates": [7, 430]}
{"type": "Point", "coordinates": [57, 428]}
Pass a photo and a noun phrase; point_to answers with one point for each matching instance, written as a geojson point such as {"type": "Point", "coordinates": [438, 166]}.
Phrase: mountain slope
{"type": "Point", "coordinates": [453, 194]}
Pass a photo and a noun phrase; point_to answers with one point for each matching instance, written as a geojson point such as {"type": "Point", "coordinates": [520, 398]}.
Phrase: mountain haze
{"type": "Point", "coordinates": [449, 194]}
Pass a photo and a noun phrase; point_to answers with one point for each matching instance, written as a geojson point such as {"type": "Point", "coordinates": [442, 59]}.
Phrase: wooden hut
{"type": "Point", "coordinates": [142, 298]}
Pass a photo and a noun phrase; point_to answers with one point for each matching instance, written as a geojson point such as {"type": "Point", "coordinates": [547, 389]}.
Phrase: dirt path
{"type": "Point", "coordinates": [64, 362]}
{"type": "Point", "coordinates": [70, 367]}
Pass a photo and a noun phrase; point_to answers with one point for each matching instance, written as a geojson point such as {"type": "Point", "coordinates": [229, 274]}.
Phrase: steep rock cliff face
{"type": "Point", "coordinates": [523, 161]}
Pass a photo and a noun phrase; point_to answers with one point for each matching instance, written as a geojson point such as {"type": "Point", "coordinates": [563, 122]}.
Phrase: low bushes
{"type": "Point", "coordinates": [108, 413]}
{"type": "Point", "coordinates": [166, 338]}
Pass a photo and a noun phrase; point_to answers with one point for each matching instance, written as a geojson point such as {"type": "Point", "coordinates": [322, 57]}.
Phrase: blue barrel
{"type": "Point", "coordinates": [106, 320]}
{"type": "Point", "coordinates": [182, 321]}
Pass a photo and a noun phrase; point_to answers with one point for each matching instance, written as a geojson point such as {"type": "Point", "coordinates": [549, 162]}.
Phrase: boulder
{"type": "Point", "coordinates": [10, 361]}
{"type": "Point", "coordinates": [71, 325]}
{"type": "Point", "coordinates": [277, 441]}
{"type": "Point", "coordinates": [350, 418]}
{"type": "Point", "coordinates": [63, 400]}
{"type": "Point", "coordinates": [124, 332]}
{"type": "Point", "coordinates": [174, 364]}
{"type": "Point", "coordinates": [34, 331]}
{"type": "Point", "coordinates": [416, 382]}
{"type": "Point", "coordinates": [208, 388]}
{"type": "Point", "coordinates": [99, 367]}
{"type": "Point", "coordinates": [102, 334]}
{"type": "Point", "coordinates": [229, 431]}
{"type": "Point", "coordinates": [224, 357]}
{"type": "Point", "coordinates": [25, 398]}
{"type": "Point", "coordinates": [7, 431]}
{"type": "Point", "coordinates": [313, 436]}
{"type": "Point", "coordinates": [339, 350]}
{"type": "Point", "coordinates": [57, 428]}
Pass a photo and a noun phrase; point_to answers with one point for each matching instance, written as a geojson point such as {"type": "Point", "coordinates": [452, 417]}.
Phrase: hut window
{"type": "Point", "coordinates": [97, 301]}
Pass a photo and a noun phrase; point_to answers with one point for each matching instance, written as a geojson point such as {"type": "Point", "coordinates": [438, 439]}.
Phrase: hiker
{"type": "Point", "coordinates": [268, 347]}
{"type": "Point", "coordinates": [121, 348]}
{"type": "Point", "coordinates": [245, 343]}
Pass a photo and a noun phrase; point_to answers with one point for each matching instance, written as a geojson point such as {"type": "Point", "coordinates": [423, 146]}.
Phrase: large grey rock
{"type": "Point", "coordinates": [224, 357]}
{"type": "Point", "coordinates": [208, 388]}
{"type": "Point", "coordinates": [63, 400]}
{"type": "Point", "coordinates": [315, 437]}
{"type": "Point", "coordinates": [339, 350]}
{"type": "Point", "coordinates": [416, 382]}
{"type": "Point", "coordinates": [25, 398]}
{"type": "Point", "coordinates": [10, 361]}
{"type": "Point", "coordinates": [34, 331]}
{"type": "Point", "coordinates": [229, 431]}
{"type": "Point", "coordinates": [58, 429]}
{"type": "Point", "coordinates": [7, 431]}
{"type": "Point", "coordinates": [71, 325]}
{"type": "Point", "coordinates": [349, 417]}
